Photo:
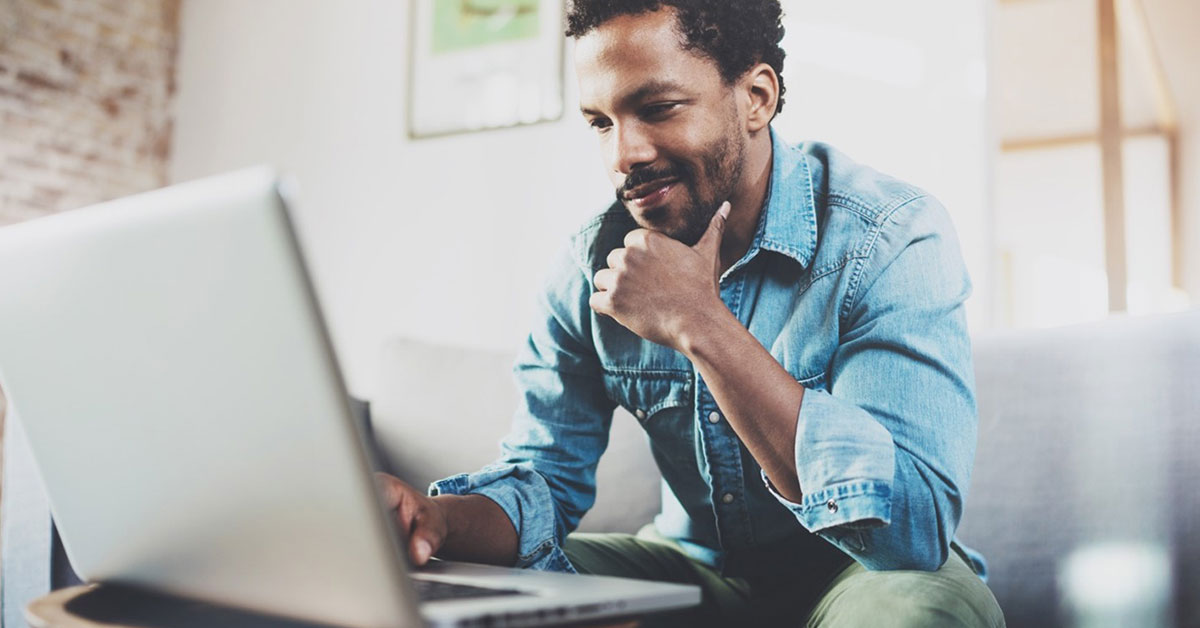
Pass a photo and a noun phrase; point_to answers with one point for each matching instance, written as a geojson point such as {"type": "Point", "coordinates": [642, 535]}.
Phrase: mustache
{"type": "Point", "coordinates": [646, 174]}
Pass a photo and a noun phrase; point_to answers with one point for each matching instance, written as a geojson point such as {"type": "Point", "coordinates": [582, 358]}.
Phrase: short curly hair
{"type": "Point", "coordinates": [737, 35]}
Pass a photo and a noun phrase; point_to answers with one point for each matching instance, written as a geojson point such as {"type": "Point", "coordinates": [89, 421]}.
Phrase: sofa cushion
{"type": "Point", "coordinates": [442, 410]}
{"type": "Point", "coordinates": [1087, 433]}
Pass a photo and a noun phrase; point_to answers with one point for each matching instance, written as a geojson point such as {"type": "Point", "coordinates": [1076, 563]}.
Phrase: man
{"type": "Point", "coordinates": [787, 326]}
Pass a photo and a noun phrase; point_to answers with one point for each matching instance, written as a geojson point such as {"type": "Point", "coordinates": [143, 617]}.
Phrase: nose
{"type": "Point", "coordinates": [631, 148]}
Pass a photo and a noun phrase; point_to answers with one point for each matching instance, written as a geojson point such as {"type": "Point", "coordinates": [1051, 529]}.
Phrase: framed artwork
{"type": "Point", "coordinates": [484, 64]}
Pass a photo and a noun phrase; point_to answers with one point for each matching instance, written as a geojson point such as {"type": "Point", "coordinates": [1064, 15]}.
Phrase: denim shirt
{"type": "Point", "coordinates": [855, 283]}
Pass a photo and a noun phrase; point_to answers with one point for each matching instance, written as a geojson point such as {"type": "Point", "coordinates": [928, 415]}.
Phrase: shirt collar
{"type": "Point", "coordinates": [789, 222]}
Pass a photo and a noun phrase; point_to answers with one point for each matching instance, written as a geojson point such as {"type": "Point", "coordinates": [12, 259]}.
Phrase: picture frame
{"type": "Point", "coordinates": [476, 65]}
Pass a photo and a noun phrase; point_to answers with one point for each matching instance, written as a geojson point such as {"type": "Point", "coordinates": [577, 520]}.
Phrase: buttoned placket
{"type": "Point", "coordinates": [720, 445]}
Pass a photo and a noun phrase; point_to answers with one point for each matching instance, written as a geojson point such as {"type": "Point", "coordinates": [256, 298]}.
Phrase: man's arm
{"type": "Point", "coordinates": [544, 481]}
{"type": "Point", "coordinates": [668, 293]}
{"type": "Point", "coordinates": [456, 527]}
{"type": "Point", "coordinates": [883, 454]}
{"type": "Point", "coordinates": [758, 397]}
{"type": "Point", "coordinates": [478, 530]}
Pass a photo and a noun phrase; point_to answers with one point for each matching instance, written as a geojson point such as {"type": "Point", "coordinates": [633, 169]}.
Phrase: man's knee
{"type": "Point", "coordinates": [598, 554]}
{"type": "Point", "coordinates": [947, 597]}
{"type": "Point", "coordinates": [928, 606]}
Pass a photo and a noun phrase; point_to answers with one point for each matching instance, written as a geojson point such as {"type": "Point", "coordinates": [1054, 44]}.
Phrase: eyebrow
{"type": "Point", "coordinates": [652, 88]}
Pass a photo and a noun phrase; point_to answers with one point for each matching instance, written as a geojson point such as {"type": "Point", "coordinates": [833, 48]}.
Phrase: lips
{"type": "Point", "coordinates": [645, 190]}
{"type": "Point", "coordinates": [653, 199]}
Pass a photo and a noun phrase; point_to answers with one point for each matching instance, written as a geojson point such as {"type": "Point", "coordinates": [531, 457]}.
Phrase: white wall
{"type": "Point", "coordinates": [446, 239]}
{"type": "Point", "coordinates": [1050, 234]}
{"type": "Point", "coordinates": [1173, 25]}
{"type": "Point", "coordinates": [1189, 193]}
{"type": "Point", "coordinates": [901, 86]}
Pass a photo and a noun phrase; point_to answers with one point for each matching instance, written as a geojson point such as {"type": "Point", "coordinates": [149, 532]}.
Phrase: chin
{"type": "Point", "coordinates": [662, 219]}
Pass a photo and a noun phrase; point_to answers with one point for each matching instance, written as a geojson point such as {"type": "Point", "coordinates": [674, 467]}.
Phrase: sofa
{"type": "Point", "coordinates": [1087, 434]}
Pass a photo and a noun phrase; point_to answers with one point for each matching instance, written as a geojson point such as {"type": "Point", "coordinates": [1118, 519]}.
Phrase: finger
{"type": "Point", "coordinates": [601, 303]}
{"type": "Point", "coordinates": [388, 489]}
{"type": "Point", "coordinates": [710, 242]}
{"type": "Point", "coordinates": [422, 542]}
{"type": "Point", "coordinates": [420, 549]}
{"type": "Point", "coordinates": [616, 258]}
{"type": "Point", "coordinates": [406, 514]}
{"type": "Point", "coordinates": [637, 237]}
{"type": "Point", "coordinates": [605, 279]}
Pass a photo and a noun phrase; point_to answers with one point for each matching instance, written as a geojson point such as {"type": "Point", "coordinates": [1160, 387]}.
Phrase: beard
{"type": "Point", "coordinates": [720, 169]}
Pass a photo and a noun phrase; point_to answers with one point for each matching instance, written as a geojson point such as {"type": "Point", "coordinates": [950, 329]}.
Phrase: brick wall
{"type": "Point", "coordinates": [85, 92]}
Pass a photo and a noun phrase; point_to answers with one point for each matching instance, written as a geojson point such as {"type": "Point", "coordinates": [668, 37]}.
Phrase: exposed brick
{"type": "Point", "coordinates": [34, 80]}
{"type": "Point", "coordinates": [12, 94]}
{"type": "Point", "coordinates": [33, 163]}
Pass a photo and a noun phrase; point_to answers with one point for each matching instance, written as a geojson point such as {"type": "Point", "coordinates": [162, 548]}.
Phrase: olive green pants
{"type": "Point", "coordinates": [951, 596]}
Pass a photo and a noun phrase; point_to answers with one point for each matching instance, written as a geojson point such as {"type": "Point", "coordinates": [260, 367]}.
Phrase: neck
{"type": "Point", "coordinates": [746, 202]}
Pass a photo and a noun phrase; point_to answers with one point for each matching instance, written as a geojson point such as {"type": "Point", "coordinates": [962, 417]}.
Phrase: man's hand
{"type": "Point", "coordinates": [658, 287]}
{"type": "Point", "coordinates": [455, 527]}
{"type": "Point", "coordinates": [419, 517]}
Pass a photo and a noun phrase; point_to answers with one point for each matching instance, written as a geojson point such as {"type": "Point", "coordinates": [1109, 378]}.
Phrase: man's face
{"type": "Point", "coordinates": [670, 128]}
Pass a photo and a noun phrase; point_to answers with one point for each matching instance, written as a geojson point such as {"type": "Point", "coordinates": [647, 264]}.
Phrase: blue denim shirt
{"type": "Point", "coordinates": [855, 283]}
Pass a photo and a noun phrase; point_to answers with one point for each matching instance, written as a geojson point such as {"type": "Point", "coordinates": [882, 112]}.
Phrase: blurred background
{"type": "Point", "coordinates": [994, 107]}
{"type": "Point", "coordinates": [1063, 137]}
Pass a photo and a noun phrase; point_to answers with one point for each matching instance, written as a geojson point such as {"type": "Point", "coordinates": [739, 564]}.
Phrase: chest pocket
{"type": "Point", "coordinates": [662, 403]}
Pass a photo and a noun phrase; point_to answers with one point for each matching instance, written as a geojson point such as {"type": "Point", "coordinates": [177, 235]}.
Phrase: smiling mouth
{"type": "Point", "coordinates": [650, 195]}
{"type": "Point", "coordinates": [648, 189]}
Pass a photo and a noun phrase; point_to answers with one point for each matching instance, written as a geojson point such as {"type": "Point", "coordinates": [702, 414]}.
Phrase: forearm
{"type": "Point", "coordinates": [758, 397]}
{"type": "Point", "coordinates": [478, 530]}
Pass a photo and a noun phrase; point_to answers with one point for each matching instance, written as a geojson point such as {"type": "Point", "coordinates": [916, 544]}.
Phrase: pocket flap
{"type": "Point", "coordinates": [644, 393]}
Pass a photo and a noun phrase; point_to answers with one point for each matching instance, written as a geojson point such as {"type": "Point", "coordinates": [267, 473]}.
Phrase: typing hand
{"type": "Point", "coordinates": [418, 516]}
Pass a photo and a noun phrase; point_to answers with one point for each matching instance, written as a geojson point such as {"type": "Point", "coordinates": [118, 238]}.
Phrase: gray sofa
{"type": "Point", "coordinates": [1086, 433]}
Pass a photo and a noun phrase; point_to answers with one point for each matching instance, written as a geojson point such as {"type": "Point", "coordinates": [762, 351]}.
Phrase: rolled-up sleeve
{"type": "Point", "coordinates": [884, 453]}
{"type": "Point", "coordinates": [545, 477]}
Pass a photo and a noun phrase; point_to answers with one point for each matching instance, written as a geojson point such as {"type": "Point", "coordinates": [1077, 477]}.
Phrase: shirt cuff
{"type": "Point", "coordinates": [845, 464]}
{"type": "Point", "coordinates": [524, 496]}
{"type": "Point", "coordinates": [853, 505]}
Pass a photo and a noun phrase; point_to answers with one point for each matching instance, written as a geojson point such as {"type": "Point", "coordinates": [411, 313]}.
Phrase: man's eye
{"type": "Point", "coordinates": [599, 124]}
{"type": "Point", "coordinates": [659, 109]}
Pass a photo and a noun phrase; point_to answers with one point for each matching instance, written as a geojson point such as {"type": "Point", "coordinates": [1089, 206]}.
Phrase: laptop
{"type": "Point", "coordinates": [168, 360]}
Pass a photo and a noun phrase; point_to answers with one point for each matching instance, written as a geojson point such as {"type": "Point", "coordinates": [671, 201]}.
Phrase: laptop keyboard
{"type": "Point", "coordinates": [434, 590]}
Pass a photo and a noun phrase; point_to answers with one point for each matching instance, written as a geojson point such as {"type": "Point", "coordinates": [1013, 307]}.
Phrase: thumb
{"type": "Point", "coordinates": [710, 242]}
{"type": "Point", "coordinates": [422, 548]}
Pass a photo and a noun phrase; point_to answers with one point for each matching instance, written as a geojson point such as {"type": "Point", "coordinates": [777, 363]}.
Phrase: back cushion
{"type": "Point", "coordinates": [1086, 433]}
{"type": "Point", "coordinates": [443, 410]}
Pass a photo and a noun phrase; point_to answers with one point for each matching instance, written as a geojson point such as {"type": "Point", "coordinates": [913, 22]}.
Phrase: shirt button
{"type": "Point", "coordinates": [641, 414]}
{"type": "Point", "coordinates": [727, 498]}
{"type": "Point", "coordinates": [831, 505]}
{"type": "Point", "coordinates": [714, 417]}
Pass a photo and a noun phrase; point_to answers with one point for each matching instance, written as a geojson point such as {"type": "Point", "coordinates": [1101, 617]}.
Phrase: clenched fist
{"type": "Point", "coordinates": [660, 288]}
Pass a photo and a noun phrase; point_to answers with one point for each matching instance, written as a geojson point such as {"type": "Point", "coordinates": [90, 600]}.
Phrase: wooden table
{"type": "Point", "coordinates": [111, 606]}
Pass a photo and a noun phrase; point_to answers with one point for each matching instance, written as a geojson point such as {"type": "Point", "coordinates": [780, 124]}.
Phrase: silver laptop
{"type": "Point", "coordinates": [168, 360]}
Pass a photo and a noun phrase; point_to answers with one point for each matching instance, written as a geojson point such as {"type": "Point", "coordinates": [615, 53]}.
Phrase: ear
{"type": "Point", "coordinates": [762, 86]}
